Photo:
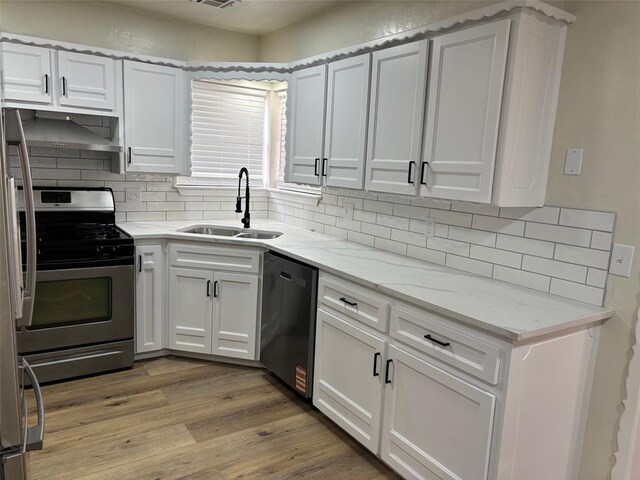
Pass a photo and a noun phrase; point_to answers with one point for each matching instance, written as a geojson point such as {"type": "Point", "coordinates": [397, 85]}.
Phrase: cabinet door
{"type": "Point", "coordinates": [86, 81]}
{"type": "Point", "coordinates": [155, 118]}
{"type": "Point", "coordinates": [346, 126]}
{"type": "Point", "coordinates": [306, 125]}
{"type": "Point", "coordinates": [347, 379]}
{"type": "Point", "coordinates": [398, 85]}
{"type": "Point", "coordinates": [150, 298]}
{"type": "Point", "coordinates": [235, 321]}
{"type": "Point", "coordinates": [436, 426]}
{"type": "Point", "coordinates": [463, 112]}
{"type": "Point", "coordinates": [190, 309]}
{"type": "Point", "coordinates": [26, 74]}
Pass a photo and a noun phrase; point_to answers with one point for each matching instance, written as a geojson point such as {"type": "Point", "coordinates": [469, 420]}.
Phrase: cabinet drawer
{"type": "Point", "coordinates": [359, 303]}
{"type": "Point", "coordinates": [231, 259]}
{"type": "Point", "coordinates": [439, 337]}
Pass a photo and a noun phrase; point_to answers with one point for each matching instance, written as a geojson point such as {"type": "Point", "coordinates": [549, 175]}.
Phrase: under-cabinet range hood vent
{"type": "Point", "coordinates": [217, 3]}
{"type": "Point", "coordinates": [63, 133]}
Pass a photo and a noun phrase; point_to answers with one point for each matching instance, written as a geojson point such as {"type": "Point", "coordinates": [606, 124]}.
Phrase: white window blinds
{"type": "Point", "coordinates": [282, 96]}
{"type": "Point", "coordinates": [227, 131]}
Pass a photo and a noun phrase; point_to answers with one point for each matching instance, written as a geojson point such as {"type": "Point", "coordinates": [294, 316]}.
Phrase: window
{"type": "Point", "coordinates": [228, 132]}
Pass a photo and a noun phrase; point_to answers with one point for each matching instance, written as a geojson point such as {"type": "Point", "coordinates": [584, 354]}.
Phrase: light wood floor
{"type": "Point", "coordinates": [180, 419]}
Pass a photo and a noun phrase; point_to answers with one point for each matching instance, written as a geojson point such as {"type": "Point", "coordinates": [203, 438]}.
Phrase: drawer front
{"type": "Point", "coordinates": [440, 338]}
{"type": "Point", "coordinates": [356, 302]}
{"type": "Point", "coordinates": [245, 260]}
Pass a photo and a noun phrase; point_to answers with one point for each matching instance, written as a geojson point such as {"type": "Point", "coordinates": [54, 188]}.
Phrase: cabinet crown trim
{"type": "Point", "coordinates": [472, 16]}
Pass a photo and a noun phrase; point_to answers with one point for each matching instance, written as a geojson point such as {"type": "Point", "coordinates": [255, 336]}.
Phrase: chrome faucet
{"type": "Point", "coordinates": [246, 220]}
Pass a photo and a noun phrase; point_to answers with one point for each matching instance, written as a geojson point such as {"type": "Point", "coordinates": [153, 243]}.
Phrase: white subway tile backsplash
{"type": "Point", "coordinates": [597, 278]}
{"type": "Point", "coordinates": [378, 207]}
{"type": "Point", "coordinates": [526, 245]}
{"type": "Point", "coordinates": [360, 238]}
{"type": "Point", "coordinates": [451, 218]}
{"type": "Point", "coordinates": [448, 246]}
{"type": "Point", "coordinates": [601, 240]}
{"type": "Point", "coordinates": [576, 291]}
{"type": "Point", "coordinates": [582, 256]}
{"type": "Point", "coordinates": [472, 236]}
{"type": "Point", "coordinates": [427, 254]}
{"type": "Point", "coordinates": [587, 219]}
{"type": "Point", "coordinates": [390, 245]}
{"type": "Point", "coordinates": [393, 222]}
{"type": "Point", "coordinates": [418, 213]}
{"type": "Point", "coordinates": [553, 268]}
{"type": "Point", "coordinates": [491, 210]}
{"type": "Point", "coordinates": [376, 230]}
{"type": "Point", "coordinates": [540, 215]}
{"type": "Point", "coordinates": [498, 225]}
{"type": "Point", "coordinates": [412, 238]}
{"type": "Point", "coordinates": [553, 233]}
{"type": "Point", "coordinates": [520, 277]}
{"type": "Point", "coordinates": [469, 265]}
{"type": "Point", "coordinates": [493, 255]}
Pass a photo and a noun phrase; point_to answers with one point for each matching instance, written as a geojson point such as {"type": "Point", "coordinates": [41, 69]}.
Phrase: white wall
{"type": "Point", "coordinates": [120, 28]}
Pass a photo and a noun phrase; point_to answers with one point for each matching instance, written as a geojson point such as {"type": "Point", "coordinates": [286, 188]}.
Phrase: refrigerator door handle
{"type": "Point", "coordinates": [14, 247]}
{"type": "Point", "coordinates": [34, 437]}
{"type": "Point", "coordinates": [30, 220]}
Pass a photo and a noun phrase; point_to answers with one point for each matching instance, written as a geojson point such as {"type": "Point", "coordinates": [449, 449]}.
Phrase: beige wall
{"type": "Point", "coordinates": [111, 26]}
{"type": "Point", "coordinates": [599, 109]}
{"type": "Point", "coordinates": [353, 22]}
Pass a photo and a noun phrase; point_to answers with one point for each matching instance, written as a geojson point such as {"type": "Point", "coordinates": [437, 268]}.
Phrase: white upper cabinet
{"type": "Point", "coordinates": [155, 118]}
{"type": "Point", "coordinates": [306, 125]}
{"type": "Point", "coordinates": [26, 74]}
{"type": "Point", "coordinates": [86, 81]}
{"type": "Point", "coordinates": [463, 112]}
{"type": "Point", "coordinates": [346, 125]}
{"type": "Point", "coordinates": [398, 83]}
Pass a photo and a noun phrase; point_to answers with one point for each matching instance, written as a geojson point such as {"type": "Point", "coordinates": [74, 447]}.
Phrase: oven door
{"type": "Point", "coordinates": [78, 307]}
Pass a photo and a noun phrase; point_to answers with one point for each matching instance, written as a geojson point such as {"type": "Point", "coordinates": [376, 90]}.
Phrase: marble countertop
{"type": "Point", "coordinates": [509, 311]}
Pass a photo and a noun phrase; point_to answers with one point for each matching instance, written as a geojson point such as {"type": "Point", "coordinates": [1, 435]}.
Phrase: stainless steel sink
{"type": "Point", "coordinates": [231, 232]}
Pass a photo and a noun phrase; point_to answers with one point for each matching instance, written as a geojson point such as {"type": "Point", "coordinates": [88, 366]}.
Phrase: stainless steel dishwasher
{"type": "Point", "coordinates": [288, 328]}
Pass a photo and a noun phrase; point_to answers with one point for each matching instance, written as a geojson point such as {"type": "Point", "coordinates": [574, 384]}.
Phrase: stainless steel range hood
{"type": "Point", "coordinates": [63, 133]}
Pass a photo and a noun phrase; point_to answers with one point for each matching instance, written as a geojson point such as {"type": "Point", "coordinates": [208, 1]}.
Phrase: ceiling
{"type": "Point", "coordinates": [256, 17]}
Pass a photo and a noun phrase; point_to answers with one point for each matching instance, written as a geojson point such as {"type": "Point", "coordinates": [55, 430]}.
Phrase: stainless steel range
{"type": "Point", "coordinates": [83, 310]}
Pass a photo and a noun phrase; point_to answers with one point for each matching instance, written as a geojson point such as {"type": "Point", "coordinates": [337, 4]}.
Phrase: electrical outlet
{"type": "Point", "coordinates": [132, 195]}
{"type": "Point", "coordinates": [430, 229]}
{"type": "Point", "coordinates": [347, 210]}
{"type": "Point", "coordinates": [621, 260]}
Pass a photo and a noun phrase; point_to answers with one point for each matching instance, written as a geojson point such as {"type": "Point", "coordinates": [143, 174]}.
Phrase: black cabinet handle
{"type": "Point", "coordinates": [129, 155]}
{"type": "Point", "coordinates": [422, 170]}
{"type": "Point", "coordinates": [435, 340]}
{"type": "Point", "coordinates": [215, 289]}
{"type": "Point", "coordinates": [411, 165]}
{"type": "Point", "coordinates": [139, 263]}
{"type": "Point", "coordinates": [208, 288]}
{"type": "Point", "coordinates": [315, 167]}
{"type": "Point", "coordinates": [386, 372]}
{"type": "Point", "coordinates": [64, 86]}
{"type": "Point", "coordinates": [351, 304]}
{"type": "Point", "coordinates": [46, 83]}
{"type": "Point", "coordinates": [376, 356]}
{"type": "Point", "coordinates": [324, 167]}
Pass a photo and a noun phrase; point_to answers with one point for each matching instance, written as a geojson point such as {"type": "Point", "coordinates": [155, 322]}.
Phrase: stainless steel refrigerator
{"type": "Point", "coordinates": [17, 289]}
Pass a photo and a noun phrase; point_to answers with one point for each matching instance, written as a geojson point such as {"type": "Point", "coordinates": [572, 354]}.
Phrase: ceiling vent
{"type": "Point", "coordinates": [217, 3]}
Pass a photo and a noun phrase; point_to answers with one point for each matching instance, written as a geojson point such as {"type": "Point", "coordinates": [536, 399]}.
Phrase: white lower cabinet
{"type": "Point", "coordinates": [213, 309]}
{"type": "Point", "coordinates": [150, 298]}
{"type": "Point", "coordinates": [436, 426]}
{"type": "Point", "coordinates": [347, 377]}
{"type": "Point", "coordinates": [235, 315]}
{"type": "Point", "coordinates": [190, 309]}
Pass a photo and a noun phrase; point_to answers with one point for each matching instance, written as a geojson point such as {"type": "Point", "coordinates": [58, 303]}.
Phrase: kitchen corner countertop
{"type": "Point", "coordinates": [508, 311]}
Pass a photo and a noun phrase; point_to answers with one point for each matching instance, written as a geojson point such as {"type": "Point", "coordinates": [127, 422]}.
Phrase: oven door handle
{"type": "Point", "coordinates": [30, 219]}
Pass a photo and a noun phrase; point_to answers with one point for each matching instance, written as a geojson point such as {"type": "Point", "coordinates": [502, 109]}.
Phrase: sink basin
{"type": "Point", "coordinates": [231, 232]}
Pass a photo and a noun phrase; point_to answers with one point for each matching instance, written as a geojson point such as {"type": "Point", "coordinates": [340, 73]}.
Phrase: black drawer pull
{"type": "Point", "coordinates": [435, 340]}
{"type": "Point", "coordinates": [208, 288]}
{"type": "Point", "coordinates": [315, 167]}
{"type": "Point", "coordinates": [46, 83]}
{"type": "Point", "coordinates": [324, 167]}
{"type": "Point", "coordinates": [64, 86]}
{"type": "Point", "coordinates": [376, 356]}
{"type": "Point", "coordinates": [386, 372]}
{"type": "Point", "coordinates": [215, 289]}
{"type": "Point", "coordinates": [351, 304]}
{"type": "Point", "coordinates": [422, 170]}
{"type": "Point", "coordinates": [411, 165]}
{"type": "Point", "coordinates": [139, 263]}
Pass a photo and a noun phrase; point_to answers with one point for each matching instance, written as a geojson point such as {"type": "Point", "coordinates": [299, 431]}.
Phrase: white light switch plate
{"type": "Point", "coordinates": [621, 260]}
{"type": "Point", "coordinates": [430, 229]}
{"type": "Point", "coordinates": [573, 161]}
{"type": "Point", "coordinates": [347, 210]}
